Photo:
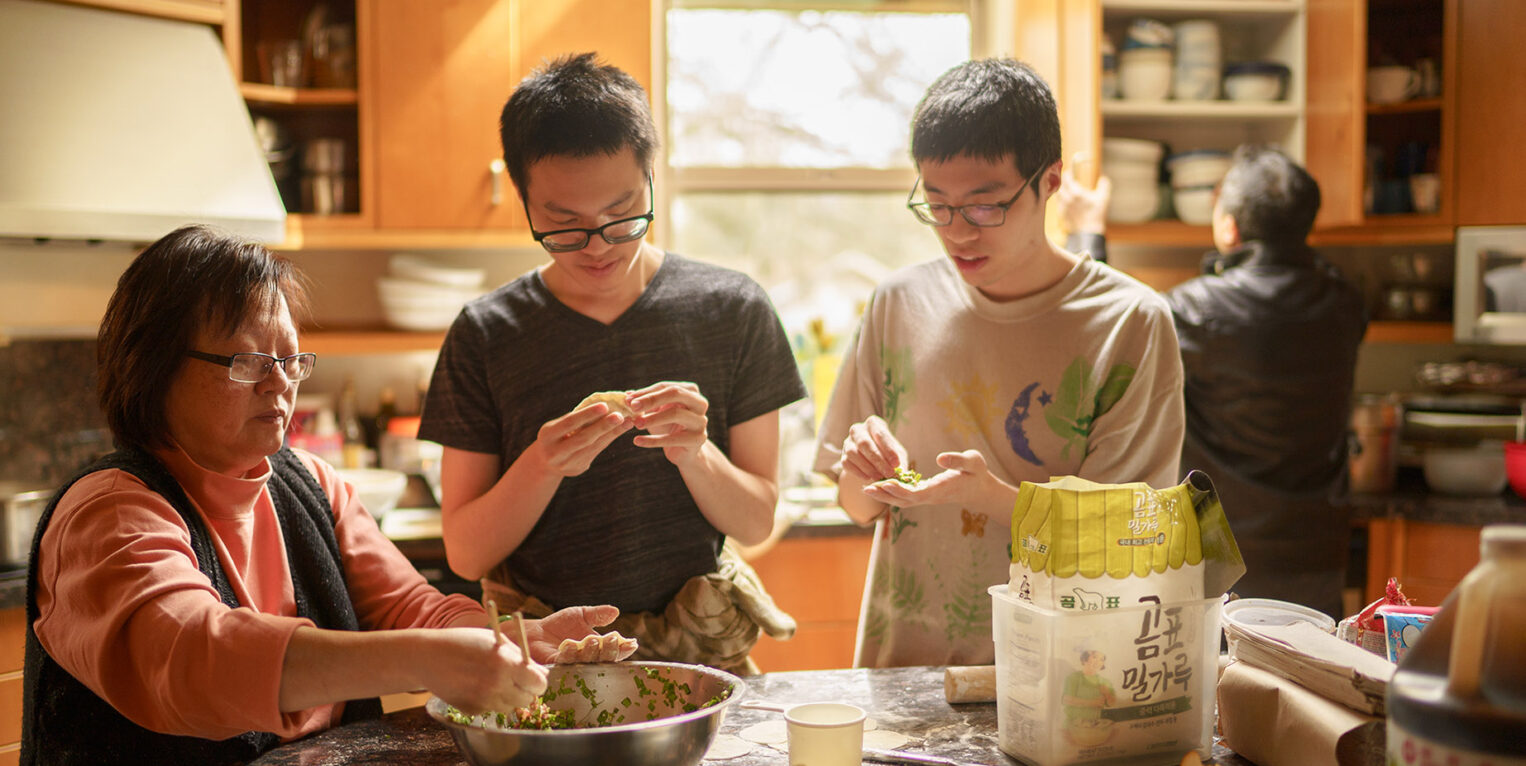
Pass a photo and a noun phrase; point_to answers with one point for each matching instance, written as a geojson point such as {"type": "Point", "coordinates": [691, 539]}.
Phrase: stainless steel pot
{"type": "Point", "coordinates": [21, 505]}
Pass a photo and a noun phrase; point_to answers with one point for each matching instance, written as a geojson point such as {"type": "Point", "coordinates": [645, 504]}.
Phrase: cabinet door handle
{"type": "Point", "coordinates": [496, 169]}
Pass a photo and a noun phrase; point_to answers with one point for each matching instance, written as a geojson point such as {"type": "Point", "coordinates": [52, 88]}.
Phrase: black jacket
{"type": "Point", "coordinates": [1269, 338]}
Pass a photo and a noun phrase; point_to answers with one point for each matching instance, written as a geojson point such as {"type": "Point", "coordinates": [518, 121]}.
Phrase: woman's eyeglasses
{"type": "Point", "coordinates": [252, 367]}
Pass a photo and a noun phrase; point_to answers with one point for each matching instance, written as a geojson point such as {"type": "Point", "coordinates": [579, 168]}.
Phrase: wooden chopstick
{"type": "Point", "coordinates": [524, 640]}
{"type": "Point", "coordinates": [492, 617]}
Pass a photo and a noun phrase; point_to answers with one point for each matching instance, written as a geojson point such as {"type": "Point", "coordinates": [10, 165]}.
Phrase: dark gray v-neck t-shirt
{"type": "Point", "coordinates": [626, 532]}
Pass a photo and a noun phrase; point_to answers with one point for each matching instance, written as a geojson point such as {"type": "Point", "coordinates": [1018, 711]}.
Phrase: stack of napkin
{"type": "Point", "coordinates": [1294, 694]}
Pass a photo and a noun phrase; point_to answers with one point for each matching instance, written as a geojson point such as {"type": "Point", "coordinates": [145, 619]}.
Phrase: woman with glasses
{"type": "Point", "coordinates": [204, 593]}
{"type": "Point", "coordinates": [1009, 359]}
{"type": "Point", "coordinates": [552, 504]}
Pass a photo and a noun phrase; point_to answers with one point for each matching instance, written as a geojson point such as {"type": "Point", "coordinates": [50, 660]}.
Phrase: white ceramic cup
{"type": "Point", "coordinates": [1425, 192]}
{"type": "Point", "coordinates": [1392, 84]}
{"type": "Point", "coordinates": [825, 734]}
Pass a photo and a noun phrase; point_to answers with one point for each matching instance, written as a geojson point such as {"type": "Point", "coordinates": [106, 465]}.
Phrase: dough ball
{"type": "Point", "coordinates": [615, 400]}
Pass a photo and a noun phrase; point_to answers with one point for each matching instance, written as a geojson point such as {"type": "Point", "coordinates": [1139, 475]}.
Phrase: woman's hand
{"type": "Point", "coordinates": [568, 444]}
{"type": "Point", "coordinates": [469, 670]}
{"type": "Point", "coordinates": [870, 452]}
{"type": "Point", "coordinates": [673, 415]}
{"type": "Point", "coordinates": [564, 636]}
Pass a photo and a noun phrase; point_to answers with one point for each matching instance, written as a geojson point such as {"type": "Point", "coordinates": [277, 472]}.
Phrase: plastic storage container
{"type": "Point", "coordinates": [1120, 686]}
{"type": "Point", "coordinates": [1459, 696]}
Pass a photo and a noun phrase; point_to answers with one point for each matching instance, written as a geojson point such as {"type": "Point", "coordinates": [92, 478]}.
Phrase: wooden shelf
{"type": "Point", "coordinates": [1203, 110]}
{"type": "Point", "coordinates": [275, 95]}
{"type": "Point", "coordinates": [198, 11]}
{"type": "Point", "coordinates": [1408, 332]}
{"type": "Point", "coordinates": [353, 232]}
{"type": "Point", "coordinates": [1173, 8]}
{"type": "Point", "coordinates": [1166, 232]}
{"type": "Point", "coordinates": [1406, 107]}
{"type": "Point", "coordinates": [358, 342]}
{"type": "Point", "coordinates": [1388, 230]}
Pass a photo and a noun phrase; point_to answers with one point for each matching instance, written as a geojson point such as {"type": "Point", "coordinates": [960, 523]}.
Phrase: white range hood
{"type": "Point", "coordinates": [123, 127]}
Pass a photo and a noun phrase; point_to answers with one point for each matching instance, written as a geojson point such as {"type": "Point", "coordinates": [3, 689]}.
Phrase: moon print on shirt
{"type": "Point", "coordinates": [1014, 425]}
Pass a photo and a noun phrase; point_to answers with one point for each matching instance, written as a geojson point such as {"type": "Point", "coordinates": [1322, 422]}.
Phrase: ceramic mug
{"type": "Point", "coordinates": [1392, 84]}
{"type": "Point", "coordinates": [1425, 192]}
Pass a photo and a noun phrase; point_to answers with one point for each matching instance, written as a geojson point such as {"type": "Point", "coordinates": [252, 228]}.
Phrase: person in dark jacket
{"type": "Point", "coordinates": [1269, 334]}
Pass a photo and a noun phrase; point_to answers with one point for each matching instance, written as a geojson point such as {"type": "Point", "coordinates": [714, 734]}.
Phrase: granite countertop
{"type": "Point", "coordinates": [1412, 500]}
{"type": "Point", "coordinates": [905, 700]}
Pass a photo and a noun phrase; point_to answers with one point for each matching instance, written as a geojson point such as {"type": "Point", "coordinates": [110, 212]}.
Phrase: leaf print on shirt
{"type": "Point", "coordinates": [898, 523]}
{"type": "Point", "coordinates": [1077, 405]}
{"type": "Point", "coordinates": [967, 605]}
{"type": "Point", "coordinates": [898, 383]}
{"type": "Point", "coordinates": [898, 598]}
{"type": "Point", "coordinates": [969, 405]}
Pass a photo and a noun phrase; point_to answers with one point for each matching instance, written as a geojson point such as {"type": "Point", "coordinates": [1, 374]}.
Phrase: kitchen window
{"type": "Point", "coordinates": [787, 128]}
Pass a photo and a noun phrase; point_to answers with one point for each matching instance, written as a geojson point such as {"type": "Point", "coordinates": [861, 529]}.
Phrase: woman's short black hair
{"type": "Point", "coordinates": [990, 109]}
{"type": "Point", "coordinates": [575, 107]}
{"type": "Point", "coordinates": [192, 278]}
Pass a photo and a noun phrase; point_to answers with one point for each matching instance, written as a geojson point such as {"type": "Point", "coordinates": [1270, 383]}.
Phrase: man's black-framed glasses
{"type": "Point", "coordinates": [252, 367]}
{"type": "Point", "coordinates": [936, 214]}
{"type": "Point", "coordinates": [614, 232]}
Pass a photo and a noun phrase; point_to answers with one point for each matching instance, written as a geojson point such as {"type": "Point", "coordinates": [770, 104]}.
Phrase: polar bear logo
{"type": "Point", "coordinates": [1089, 601]}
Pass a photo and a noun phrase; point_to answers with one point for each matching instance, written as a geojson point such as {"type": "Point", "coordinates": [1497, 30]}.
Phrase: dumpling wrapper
{"type": "Point", "coordinates": [615, 400]}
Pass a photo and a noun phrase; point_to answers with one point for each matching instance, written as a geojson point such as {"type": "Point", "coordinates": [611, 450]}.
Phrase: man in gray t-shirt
{"type": "Point", "coordinates": [585, 506]}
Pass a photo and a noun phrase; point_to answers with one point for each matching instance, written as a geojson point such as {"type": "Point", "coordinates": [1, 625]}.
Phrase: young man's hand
{"type": "Point", "coordinates": [568, 444]}
{"type": "Point", "coordinates": [966, 480]}
{"type": "Point", "coordinates": [871, 452]}
{"type": "Point", "coordinates": [673, 415]}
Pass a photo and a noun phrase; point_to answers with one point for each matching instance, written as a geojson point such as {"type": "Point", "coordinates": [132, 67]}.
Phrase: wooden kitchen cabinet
{"type": "Point", "coordinates": [820, 582]}
{"type": "Point", "coordinates": [1491, 114]}
{"type": "Point", "coordinates": [422, 119]}
{"type": "Point", "coordinates": [12, 656]}
{"type": "Point", "coordinates": [440, 76]}
{"type": "Point", "coordinates": [1428, 559]}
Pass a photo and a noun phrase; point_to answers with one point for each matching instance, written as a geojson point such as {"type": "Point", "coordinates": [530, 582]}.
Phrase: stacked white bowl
{"type": "Point", "coordinates": [1194, 175]}
{"type": "Point", "coordinates": [1144, 64]}
{"type": "Point", "coordinates": [1133, 165]}
{"type": "Point", "coordinates": [420, 294]}
{"type": "Point", "coordinates": [1198, 61]}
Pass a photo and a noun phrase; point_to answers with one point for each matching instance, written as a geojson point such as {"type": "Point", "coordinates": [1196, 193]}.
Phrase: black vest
{"type": "Point", "coordinates": [63, 722]}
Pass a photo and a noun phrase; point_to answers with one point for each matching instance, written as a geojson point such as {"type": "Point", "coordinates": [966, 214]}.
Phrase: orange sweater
{"type": "Point", "coordinates": [123, 607]}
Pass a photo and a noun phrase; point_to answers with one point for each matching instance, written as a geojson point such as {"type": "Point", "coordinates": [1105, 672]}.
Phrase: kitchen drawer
{"type": "Point", "coordinates": [1428, 559]}
{"type": "Point", "coordinates": [12, 640]}
{"type": "Point", "coordinates": [10, 708]}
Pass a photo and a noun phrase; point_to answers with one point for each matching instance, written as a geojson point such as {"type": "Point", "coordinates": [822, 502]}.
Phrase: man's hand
{"type": "Point", "coordinates": [568, 444]}
{"type": "Point", "coordinates": [870, 452]}
{"type": "Point", "coordinates": [966, 481]}
{"type": "Point", "coordinates": [1083, 209]}
{"type": "Point", "coordinates": [673, 415]}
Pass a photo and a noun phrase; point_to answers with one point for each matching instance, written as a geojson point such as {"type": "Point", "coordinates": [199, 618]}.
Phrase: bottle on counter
{"type": "Point", "coordinates": [352, 434]}
{"type": "Point", "coordinates": [1458, 698]}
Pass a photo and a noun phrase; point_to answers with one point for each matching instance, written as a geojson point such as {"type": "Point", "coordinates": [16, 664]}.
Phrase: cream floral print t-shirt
{"type": "Point", "coordinates": [1082, 379]}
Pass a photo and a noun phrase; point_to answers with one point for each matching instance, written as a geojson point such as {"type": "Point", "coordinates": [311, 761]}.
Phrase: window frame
{"type": "Point", "coordinates": [675, 181]}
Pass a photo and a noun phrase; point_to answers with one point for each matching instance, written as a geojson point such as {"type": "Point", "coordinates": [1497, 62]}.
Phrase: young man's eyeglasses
{"type": "Point", "coordinates": [935, 214]}
{"type": "Point", "coordinates": [614, 232]}
{"type": "Point", "coordinates": [254, 367]}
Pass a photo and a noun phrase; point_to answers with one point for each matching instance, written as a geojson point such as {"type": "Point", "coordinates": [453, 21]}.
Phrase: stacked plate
{"type": "Point", "coordinates": [420, 294]}
{"type": "Point", "coordinates": [1133, 164]}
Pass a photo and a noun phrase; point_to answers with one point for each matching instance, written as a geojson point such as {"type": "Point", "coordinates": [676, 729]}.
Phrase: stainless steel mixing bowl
{"type": "Point", "coordinates": [644, 704]}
